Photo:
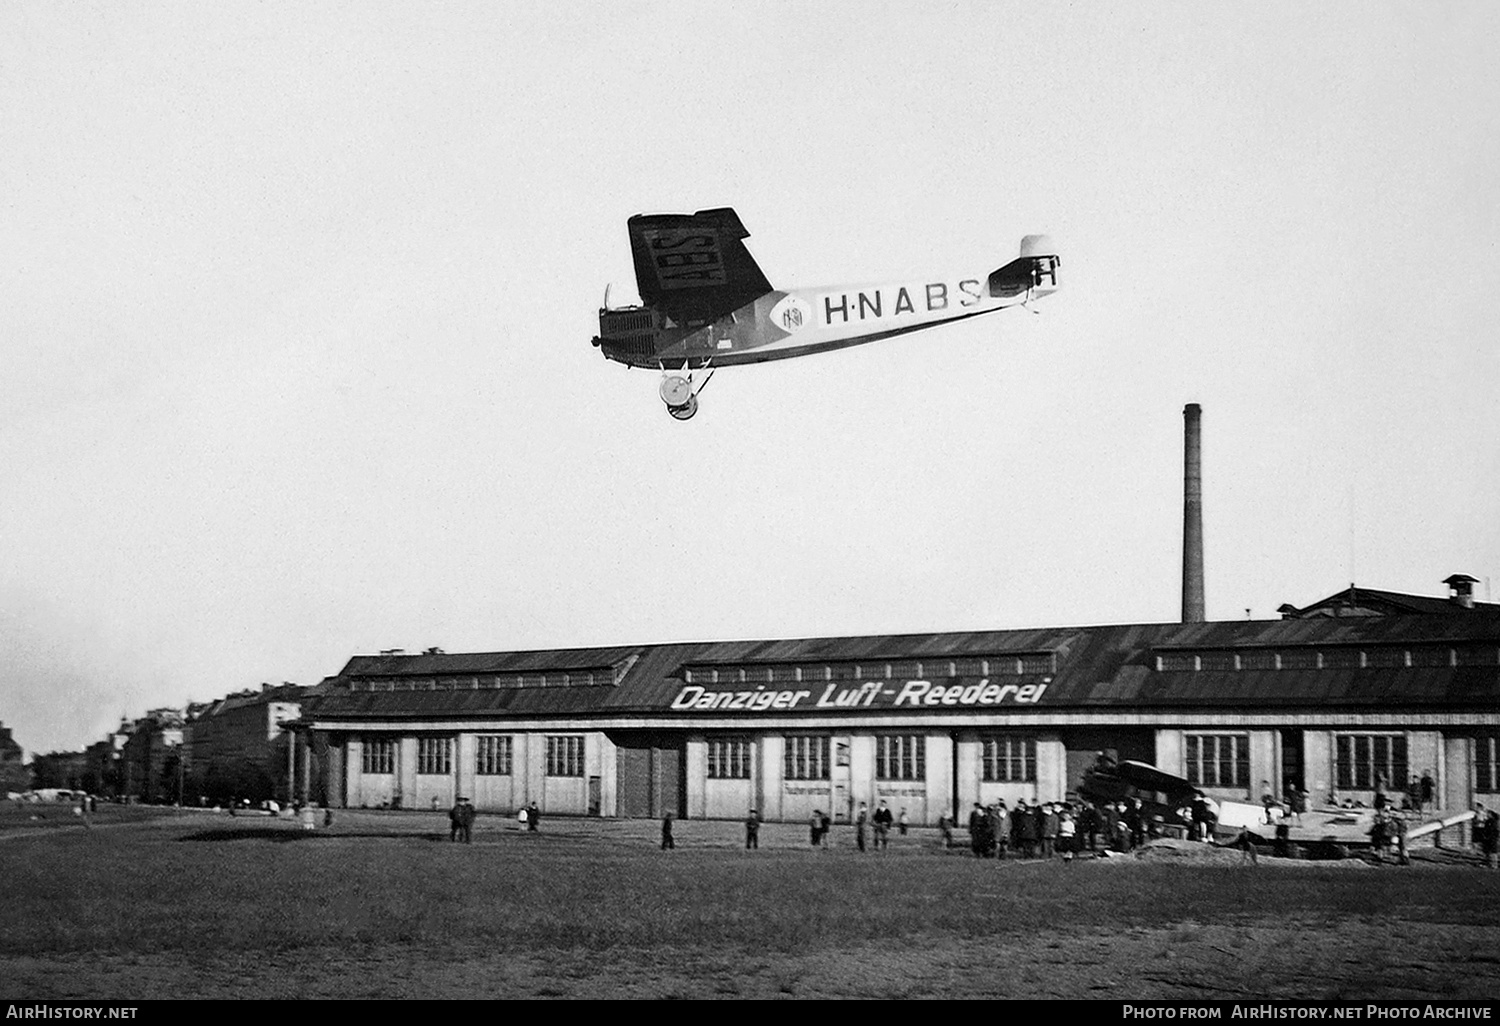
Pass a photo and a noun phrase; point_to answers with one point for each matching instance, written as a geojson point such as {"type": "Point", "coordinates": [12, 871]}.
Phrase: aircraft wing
{"type": "Point", "coordinates": [1112, 783]}
{"type": "Point", "coordinates": [694, 266]}
{"type": "Point", "coordinates": [1149, 778]}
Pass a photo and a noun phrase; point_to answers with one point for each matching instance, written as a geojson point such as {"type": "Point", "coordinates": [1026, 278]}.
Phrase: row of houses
{"type": "Point", "coordinates": [208, 752]}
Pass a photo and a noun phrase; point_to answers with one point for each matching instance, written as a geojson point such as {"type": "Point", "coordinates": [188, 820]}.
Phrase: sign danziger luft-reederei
{"type": "Point", "coordinates": [875, 694]}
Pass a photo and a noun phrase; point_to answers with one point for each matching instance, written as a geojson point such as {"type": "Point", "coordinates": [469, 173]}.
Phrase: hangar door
{"type": "Point", "coordinates": [649, 772]}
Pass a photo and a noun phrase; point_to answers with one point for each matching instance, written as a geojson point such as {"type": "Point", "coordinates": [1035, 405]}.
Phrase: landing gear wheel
{"type": "Point", "coordinates": [676, 391]}
{"type": "Point", "coordinates": [686, 410]}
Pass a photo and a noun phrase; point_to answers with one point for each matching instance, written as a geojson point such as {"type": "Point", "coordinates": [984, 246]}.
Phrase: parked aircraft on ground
{"type": "Point", "coordinates": [705, 304]}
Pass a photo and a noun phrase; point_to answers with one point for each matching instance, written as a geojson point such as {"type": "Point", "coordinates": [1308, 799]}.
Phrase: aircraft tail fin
{"type": "Point", "coordinates": [1033, 272]}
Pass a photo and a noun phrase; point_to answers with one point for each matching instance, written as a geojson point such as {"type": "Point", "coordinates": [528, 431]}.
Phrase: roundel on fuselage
{"type": "Point", "coordinates": [791, 314]}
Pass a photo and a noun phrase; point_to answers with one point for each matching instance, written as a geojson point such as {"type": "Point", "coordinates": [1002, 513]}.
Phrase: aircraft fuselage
{"type": "Point", "coordinates": [783, 324]}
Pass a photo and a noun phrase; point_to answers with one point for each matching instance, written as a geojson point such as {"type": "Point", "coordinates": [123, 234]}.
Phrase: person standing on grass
{"type": "Point", "coordinates": [1428, 790]}
{"type": "Point", "coordinates": [902, 821]}
{"type": "Point", "coordinates": [1378, 835]}
{"type": "Point", "coordinates": [1088, 825]}
{"type": "Point", "coordinates": [825, 824]}
{"type": "Point", "coordinates": [1050, 825]}
{"type": "Point", "coordinates": [861, 821]}
{"type": "Point", "coordinates": [1023, 825]}
{"type": "Point", "coordinates": [533, 817]}
{"type": "Point", "coordinates": [979, 830]}
{"type": "Point", "coordinates": [455, 819]}
{"type": "Point", "coordinates": [666, 833]}
{"type": "Point", "coordinates": [752, 830]}
{"type": "Point", "coordinates": [815, 828]}
{"type": "Point", "coordinates": [470, 814]}
{"type": "Point", "coordinates": [1067, 831]}
{"type": "Point", "coordinates": [1000, 828]}
{"type": "Point", "coordinates": [1135, 819]}
{"type": "Point", "coordinates": [1246, 844]}
{"type": "Point", "coordinates": [883, 820]}
{"type": "Point", "coordinates": [1487, 833]}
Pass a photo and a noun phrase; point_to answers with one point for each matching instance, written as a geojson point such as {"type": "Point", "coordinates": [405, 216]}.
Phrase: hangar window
{"type": "Point", "coordinates": [901, 757]}
{"type": "Point", "coordinates": [434, 755]}
{"type": "Point", "coordinates": [1046, 663]}
{"type": "Point", "coordinates": [1218, 760]}
{"type": "Point", "coordinates": [1009, 760]}
{"type": "Point", "coordinates": [1216, 661]}
{"type": "Point", "coordinates": [1432, 655]}
{"type": "Point", "coordinates": [1477, 655]}
{"type": "Point", "coordinates": [1385, 657]}
{"type": "Point", "coordinates": [806, 758]}
{"type": "Point", "coordinates": [1258, 659]}
{"type": "Point", "coordinates": [379, 756]}
{"type": "Point", "coordinates": [1362, 759]}
{"type": "Point", "coordinates": [564, 756]}
{"type": "Point", "coordinates": [1299, 659]}
{"type": "Point", "coordinates": [1487, 763]}
{"type": "Point", "coordinates": [492, 756]}
{"type": "Point", "coordinates": [1341, 658]}
{"type": "Point", "coordinates": [729, 758]}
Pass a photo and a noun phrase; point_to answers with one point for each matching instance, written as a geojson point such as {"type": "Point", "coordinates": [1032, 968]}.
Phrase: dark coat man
{"type": "Point", "coordinates": [1039, 828]}
{"type": "Point", "coordinates": [461, 821]}
{"type": "Point", "coordinates": [1024, 827]}
{"type": "Point", "coordinates": [979, 830]}
{"type": "Point", "coordinates": [883, 820]}
{"type": "Point", "coordinates": [1088, 826]}
{"type": "Point", "coordinates": [1001, 826]}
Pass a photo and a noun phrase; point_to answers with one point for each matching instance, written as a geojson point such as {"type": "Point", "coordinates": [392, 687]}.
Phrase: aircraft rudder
{"type": "Point", "coordinates": [1034, 272]}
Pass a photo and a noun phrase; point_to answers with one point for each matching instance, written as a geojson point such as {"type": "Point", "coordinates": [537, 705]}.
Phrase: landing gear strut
{"type": "Point", "coordinates": [678, 393]}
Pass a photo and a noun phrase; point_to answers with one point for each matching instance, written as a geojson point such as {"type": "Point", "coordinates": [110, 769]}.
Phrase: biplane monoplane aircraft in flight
{"type": "Point", "coordinates": [705, 304]}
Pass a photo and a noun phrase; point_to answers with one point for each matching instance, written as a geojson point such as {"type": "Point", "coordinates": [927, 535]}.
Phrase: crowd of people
{"type": "Point", "coordinates": [1049, 830]}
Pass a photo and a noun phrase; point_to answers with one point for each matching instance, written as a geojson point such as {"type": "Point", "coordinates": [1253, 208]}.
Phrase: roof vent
{"type": "Point", "coordinates": [1461, 590]}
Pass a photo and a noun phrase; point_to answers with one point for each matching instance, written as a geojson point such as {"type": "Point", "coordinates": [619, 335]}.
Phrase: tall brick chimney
{"type": "Point", "coordinates": [1192, 515]}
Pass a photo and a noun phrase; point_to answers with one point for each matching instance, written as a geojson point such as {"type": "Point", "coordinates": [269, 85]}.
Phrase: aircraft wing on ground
{"type": "Point", "coordinates": [1149, 778]}
{"type": "Point", "coordinates": [1156, 788]}
{"type": "Point", "coordinates": [694, 267]}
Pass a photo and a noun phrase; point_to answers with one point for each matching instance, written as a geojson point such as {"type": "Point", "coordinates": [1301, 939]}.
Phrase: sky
{"type": "Point", "coordinates": [296, 301]}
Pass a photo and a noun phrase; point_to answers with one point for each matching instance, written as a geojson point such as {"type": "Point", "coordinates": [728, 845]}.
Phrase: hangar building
{"type": "Point", "coordinates": [1330, 698]}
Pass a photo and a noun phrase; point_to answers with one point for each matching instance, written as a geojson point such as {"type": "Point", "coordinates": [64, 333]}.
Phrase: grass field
{"type": "Point", "coordinates": [381, 905]}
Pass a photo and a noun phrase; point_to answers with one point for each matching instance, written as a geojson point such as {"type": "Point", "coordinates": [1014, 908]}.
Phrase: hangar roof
{"type": "Point", "coordinates": [1357, 601]}
{"type": "Point", "coordinates": [1448, 660]}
